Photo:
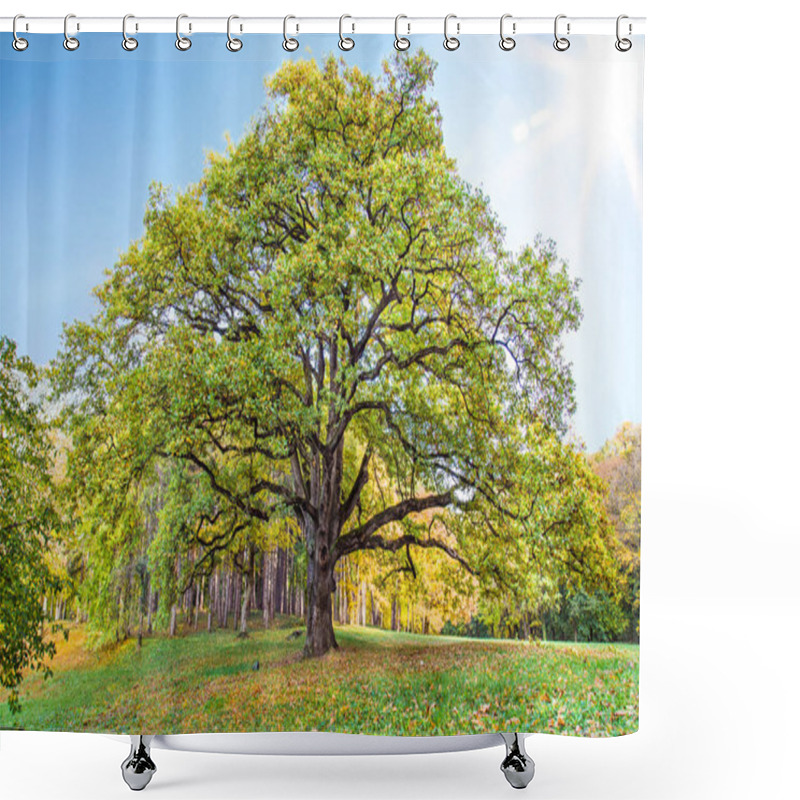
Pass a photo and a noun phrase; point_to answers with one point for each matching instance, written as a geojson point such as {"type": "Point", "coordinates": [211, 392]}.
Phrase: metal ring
{"type": "Point", "coordinates": [290, 44]}
{"type": "Point", "coordinates": [233, 44]}
{"type": "Point", "coordinates": [128, 42]}
{"type": "Point", "coordinates": [400, 42]}
{"type": "Point", "coordinates": [70, 42]}
{"type": "Point", "coordinates": [18, 43]}
{"type": "Point", "coordinates": [181, 42]}
{"type": "Point", "coordinates": [450, 42]}
{"type": "Point", "coordinates": [506, 42]}
{"type": "Point", "coordinates": [561, 43]}
{"type": "Point", "coordinates": [345, 42]}
{"type": "Point", "coordinates": [623, 45]}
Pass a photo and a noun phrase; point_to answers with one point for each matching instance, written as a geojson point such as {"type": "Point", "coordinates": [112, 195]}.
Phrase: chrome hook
{"type": "Point", "coordinates": [345, 42]}
{"type": "Point", "coordinates": [128, 42]}
{"type": "Point", "coordinates": [233, 44]}
{"type": "Point", "coordinates": [561, 43]}
{"type": "Point", "coordinates": [623, 45]}
{"type": "Point", "coordinates": [451, 42]}
{"type": "Point", "coordinates": [18, 43]}
{"type": "Point", "coordinates": [181, 42]}
{"type": "Point", "coordinates": [289, 43]}
{"type": "Point", "coordinates": [70, 42]}
{"type": "Point", "coordinates": [400, 42]}
{"type": "Point", "coordinates": [507, 42]}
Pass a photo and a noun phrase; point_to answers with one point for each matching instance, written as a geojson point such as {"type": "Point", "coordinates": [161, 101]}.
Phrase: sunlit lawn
{"type": "Point", "coordinates": [378, 682]}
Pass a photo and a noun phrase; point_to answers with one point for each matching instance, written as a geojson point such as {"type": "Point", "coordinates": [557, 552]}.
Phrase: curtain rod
{"type": "Point", "coordinates": [408, 25]}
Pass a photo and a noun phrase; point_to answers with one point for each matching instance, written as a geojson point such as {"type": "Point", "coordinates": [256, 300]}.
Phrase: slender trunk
{"type": "Point", "coordinates": [265, 591]}
{"type": "Point", "coordinates": [373, 610]}
{"type": "Point", "coordinates": [226, 603]}
{"type": "Point", "coordinates": [218, 602]}
{"type": "Point", "coordinates": [198, 602]}
{"type": "Point", "coordinates": [237, 599]}
{"type": "Point", "coordinates": [245, 593]}
{"type": "Point", "coordinates": [279, 572]}
{"type": "Point", "coordinates": [290, 597]}
{"type": "Point", "coordinates": [244, 611]}
{"type": "Point", "coordinates": [150, 609]}
{"type": "Point", "coordinates": [173, 620]}
{"type": "Point", "coordinates": [342, 585]}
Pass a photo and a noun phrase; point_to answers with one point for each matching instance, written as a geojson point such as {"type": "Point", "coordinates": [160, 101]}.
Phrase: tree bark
{"type": "Point", "coordinates": [279, 576]}
{"type": "Point", "coordinates": [245, 592]}
{"type": "Point", "coordinates": [319, 619]}
{"type": "Point", "coordinates": [266, 594]}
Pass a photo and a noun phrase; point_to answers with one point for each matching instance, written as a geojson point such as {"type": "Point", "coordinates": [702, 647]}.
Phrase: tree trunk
{"type": "Point", "coordinates": [245, 592]}
{"type": "Point", "coordinates": [226, 602]}
{"type": "Point", "coordinates": [319, 619]}
{"type": "Point", "coordinates": [320, 535]}
{"type": "Point", "coordinates": [198, 602]}
{"type": "Point", "coordinates": [266, 594]}
{"type": "Point", "coordinates": [245, 609]}
{"type": "Point", "coordinates": [277, 602]}
{"type": "Point", "coordinates": [150, 607]}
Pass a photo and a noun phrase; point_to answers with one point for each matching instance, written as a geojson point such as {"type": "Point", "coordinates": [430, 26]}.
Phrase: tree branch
{"type": "Point", "coordinates": [356, 539]}
{"type": "Point", "coordinates": [349, 505]}
{"type": "Point", "coordinates": [376, 542]}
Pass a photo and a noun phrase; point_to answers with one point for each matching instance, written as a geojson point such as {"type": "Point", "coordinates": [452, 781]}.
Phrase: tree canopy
{"type": "Point", "coordinates": [27, 520]}
{"type": "Point", "coordinates": [328, 331]}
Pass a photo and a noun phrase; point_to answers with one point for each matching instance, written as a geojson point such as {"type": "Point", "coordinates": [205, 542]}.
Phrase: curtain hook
{"type": "Point", "coordinates": [561, 43]}
{"type": "Point", "coordinates": [345, 42]}
{"type": "Point", "coordinates": [181, 42]}
{"type": "Point", "coordinates": [70, 42]}
{"type": "Point", "coordinates": [507, 42]}
{"type": "Point", "coordinates": [233, 44]}
{"type": "Point", "coordinates": [451, 42]}
{"type": "Point", "coordinates": [289, 43]}
{"type": "Point", "coordinates": [400, 42]}
{"type": "Point", "coordinates": [623, 45]}
{"type": "Point", "coordinates": [18, 43]}
{"type": "Point", "coordinates": [128, 42]}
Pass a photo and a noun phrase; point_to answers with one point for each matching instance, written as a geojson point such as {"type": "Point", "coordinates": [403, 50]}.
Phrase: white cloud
{"type": "Point", "coordinates": [519, 133]}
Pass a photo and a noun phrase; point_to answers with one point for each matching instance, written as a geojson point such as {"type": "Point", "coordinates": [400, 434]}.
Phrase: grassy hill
{"type": "Point", "coordinates": [378, 682]}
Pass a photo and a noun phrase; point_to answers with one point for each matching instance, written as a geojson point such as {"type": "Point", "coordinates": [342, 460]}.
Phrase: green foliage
{"type": "Point", "coordinates": [378, 683]}
{"type": "Point", "coordinates": [28, 521]}
{"type": "Point", "coordinates": [584, 617]}
{"type": "Point", "coordinates": [476, 628]}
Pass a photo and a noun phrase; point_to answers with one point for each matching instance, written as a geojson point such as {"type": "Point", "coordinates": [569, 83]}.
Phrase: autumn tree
{"type": "Point", "coordinates": [330, 311]}
{"type": "Point", "coordinates": [27, 521]}
{"type": "Point", "coordinates": [619, 464]}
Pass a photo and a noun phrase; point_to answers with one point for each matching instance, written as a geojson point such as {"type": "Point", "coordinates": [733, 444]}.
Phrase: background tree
{"type": "Point", "coordinates": [27, 522]}
{"type": "Point", "coordinates": [329, 328]}
{"type": "Point", "coordinates": [619, 464]}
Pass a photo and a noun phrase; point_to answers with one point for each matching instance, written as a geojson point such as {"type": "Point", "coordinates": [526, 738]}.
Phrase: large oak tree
{"type": "Point", "coordinates": [329, 326]}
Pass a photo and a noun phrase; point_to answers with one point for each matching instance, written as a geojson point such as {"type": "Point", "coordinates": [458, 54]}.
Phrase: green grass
{"type": "Point", "coordinates": [378, 682]}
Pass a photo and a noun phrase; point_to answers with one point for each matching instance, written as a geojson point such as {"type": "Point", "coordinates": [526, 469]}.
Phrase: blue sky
{"type": "Point", "coordinates": [553, 138]}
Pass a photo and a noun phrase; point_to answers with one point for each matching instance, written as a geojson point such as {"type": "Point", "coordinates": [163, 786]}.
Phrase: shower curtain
{"type": "Point", "coordinates": [320, 400]}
